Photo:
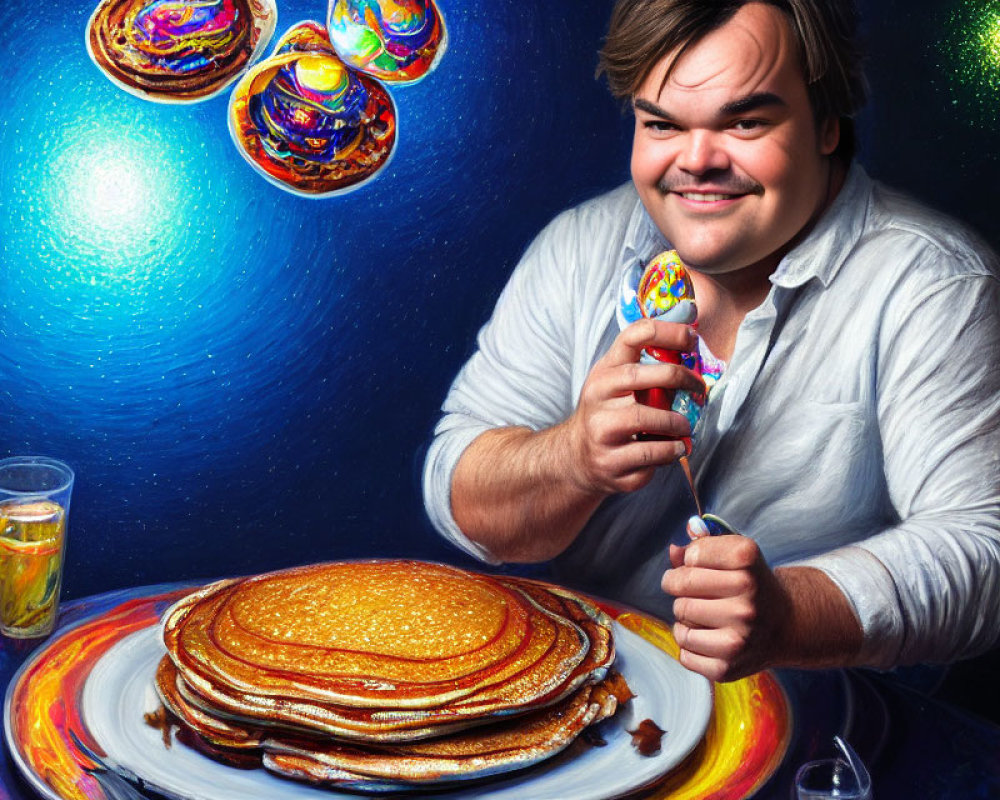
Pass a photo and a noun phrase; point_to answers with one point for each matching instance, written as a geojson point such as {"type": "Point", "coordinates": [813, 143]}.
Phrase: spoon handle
{"type": "Point", "coordinates": [690, 479]}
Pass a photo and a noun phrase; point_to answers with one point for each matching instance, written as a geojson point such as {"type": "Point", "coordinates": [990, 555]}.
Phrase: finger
{"type": "Point", "coordinates": [714, 669]}
{"type": "Point", "coordinates": [625, 379]}
{"type": "Point", "coordinates": [662, 376]}
{"type": "Point", "coordinates": [630, 343]}
{"type": "Point", "coordinates": [631, 481]}
{"type": "Point", "coordinates": [632, 466]}
{"type": "Point", "coordinates": [676, 557]}
{"type": "Point", "coordinates": [650, 453]}
{"type": "Point", "coordinates": [620, 427]}
{"type": "Point", "coordinates": [726, 644]}
{"type": "Point", "coordinates": [649, 420]}
{"type": "Point", "coordinates": [738, 613]}
{"type": "Point", "coordinates": [707, 584]}
{"type": "Point", "coordinates": [727, 552]}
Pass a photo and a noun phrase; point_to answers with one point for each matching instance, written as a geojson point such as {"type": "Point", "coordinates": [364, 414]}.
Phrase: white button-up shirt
{"type": "Point", "coordinates": [856, 429]}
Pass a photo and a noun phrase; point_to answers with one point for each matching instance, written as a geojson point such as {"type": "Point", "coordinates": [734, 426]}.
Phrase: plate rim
{"type": "Point", "coordinates": [703, 708]}
{"type": "Point", "coordinates": [734, 719]}
{"type": "Point", "coordinates": [13, 744]}
{"type": "Point", "coordinates": [105, 603]}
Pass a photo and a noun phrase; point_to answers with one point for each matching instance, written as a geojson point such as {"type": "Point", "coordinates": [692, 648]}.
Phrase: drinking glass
{"type": "Point", "coordinates": [34, 508]}
{"type": "Point", "coordinates": [844, 778]}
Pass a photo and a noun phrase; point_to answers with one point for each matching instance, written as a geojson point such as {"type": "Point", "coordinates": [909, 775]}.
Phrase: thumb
{"type": "Point", "coordinates": [677, 555]}
{"type": "Point", "coordinates": [697, 529]}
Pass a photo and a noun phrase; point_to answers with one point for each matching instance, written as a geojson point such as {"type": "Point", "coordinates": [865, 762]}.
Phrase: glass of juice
{"type": "Point", "coordinates": [34, 508]}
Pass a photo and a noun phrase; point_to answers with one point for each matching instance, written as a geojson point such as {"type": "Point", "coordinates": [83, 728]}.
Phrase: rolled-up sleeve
{"type": "Point", "coordinates": [519, 375]}
{"type": "Point", "coordinates": [928, 588]}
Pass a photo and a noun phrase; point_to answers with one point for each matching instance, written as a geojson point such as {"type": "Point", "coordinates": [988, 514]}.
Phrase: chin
{"type": "Point", "coordinates": [705, 260]}
{"type": "Point", "coordinates": [716, 255]}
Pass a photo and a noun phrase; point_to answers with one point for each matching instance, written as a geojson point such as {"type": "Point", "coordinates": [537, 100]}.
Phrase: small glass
{"type": "Point", "coordinates": [34, 508]}
{"type": "Point", "coordinates": [844, 778]}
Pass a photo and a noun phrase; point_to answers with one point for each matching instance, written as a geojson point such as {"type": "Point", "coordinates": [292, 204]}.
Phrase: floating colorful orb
{"type": "Point", "coordinates": [307, 122]}
{"type": "Point", "coordinates": [178, 50]}
{"type": "Point", "coordinates": [397, 41]}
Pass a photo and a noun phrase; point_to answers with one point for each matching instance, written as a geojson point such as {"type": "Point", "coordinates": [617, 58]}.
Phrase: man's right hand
{"type": "Point", "coordinates": [525, 495]}
{"type": "Point", "coordinates": [606, 452]}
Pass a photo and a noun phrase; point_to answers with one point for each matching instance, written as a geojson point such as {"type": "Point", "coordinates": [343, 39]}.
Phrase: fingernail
{"type": "Point", "coordinates": [697, 529]}
{"type": "Point", "coordinates": [693, 339]}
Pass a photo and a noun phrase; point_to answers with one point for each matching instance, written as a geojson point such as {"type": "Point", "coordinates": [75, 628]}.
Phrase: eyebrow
{"type": "Point", "coordinates": [741, 106]}
{"type": "Point", "coordinates": [752, 102]}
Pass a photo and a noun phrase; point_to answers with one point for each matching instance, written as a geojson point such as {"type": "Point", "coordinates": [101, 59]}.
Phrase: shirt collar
{"type": "Point", "coordinates": [819, 255]}
{"type": "Point", "coordinates": [643, 239]}
{"type": "Point", "coordinates": [827, 246]}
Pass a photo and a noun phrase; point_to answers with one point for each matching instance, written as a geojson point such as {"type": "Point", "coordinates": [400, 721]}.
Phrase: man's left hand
{"type": "Point", "coordinates": [731, 610]}
{"type": "Point", "coordinates": [735, 616]}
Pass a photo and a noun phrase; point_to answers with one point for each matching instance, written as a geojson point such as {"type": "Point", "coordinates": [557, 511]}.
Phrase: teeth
{"type": "Point", "coordinates": [705, 198]}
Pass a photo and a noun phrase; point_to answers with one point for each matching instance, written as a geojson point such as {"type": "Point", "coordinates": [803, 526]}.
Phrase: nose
{"type": "Point", "coordinates": [701, 152]}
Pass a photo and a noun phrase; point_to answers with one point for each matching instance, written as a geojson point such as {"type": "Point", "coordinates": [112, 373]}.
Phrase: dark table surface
{"type": "Point", "coordinates": [914, 745]}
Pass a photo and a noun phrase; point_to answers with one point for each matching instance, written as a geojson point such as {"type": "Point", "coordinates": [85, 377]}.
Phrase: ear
{"type": "Point", "coordinates": [829, 135]}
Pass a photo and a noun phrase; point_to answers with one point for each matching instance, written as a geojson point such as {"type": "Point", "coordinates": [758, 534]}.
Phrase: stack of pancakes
{"type": "Point", "coordinates": [386, 674]}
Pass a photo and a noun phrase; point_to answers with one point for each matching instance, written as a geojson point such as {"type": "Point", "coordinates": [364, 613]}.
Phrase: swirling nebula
{"type": "Point", "coordinates": [178, 50]}
{"type": "Point", "coordinates": [393, 40]}
{"type": "Point", "coordinates": [309, 123]}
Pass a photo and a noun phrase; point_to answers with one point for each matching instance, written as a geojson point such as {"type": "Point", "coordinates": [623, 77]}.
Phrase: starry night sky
{"type": "Point", "coordinates": [244, 379]}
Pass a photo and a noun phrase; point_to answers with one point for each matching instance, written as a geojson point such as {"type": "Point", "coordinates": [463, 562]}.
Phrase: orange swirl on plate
{"type": "Point", "coordinates": [45, 699]}
{"type": "Point", "coordinates": [747, 734]}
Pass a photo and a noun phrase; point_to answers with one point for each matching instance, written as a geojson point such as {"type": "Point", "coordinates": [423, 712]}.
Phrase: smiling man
{"type": "Point", "coordinates": [852, 437]}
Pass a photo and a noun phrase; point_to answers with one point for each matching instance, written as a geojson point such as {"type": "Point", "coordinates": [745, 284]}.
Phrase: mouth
{"type": "Point", "coordinates": [707, 197]}
{"type": "Point", "coordinates": [708, 202]}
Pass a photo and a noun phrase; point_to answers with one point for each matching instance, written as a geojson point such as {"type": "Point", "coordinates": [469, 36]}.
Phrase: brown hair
{"type": "Point", "coordinates": [642, 32]}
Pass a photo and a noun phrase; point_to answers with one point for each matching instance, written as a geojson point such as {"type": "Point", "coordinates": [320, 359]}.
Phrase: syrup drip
{"type": "Point", "coordinates": [646, 738]}
{"type": "Point", "coordinates": [163, 721]}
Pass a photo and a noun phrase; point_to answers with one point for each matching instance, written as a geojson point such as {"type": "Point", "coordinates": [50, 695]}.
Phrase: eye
{"type": "Point", "coordinates": [659, 126]}
{"type": "Point", "coordinates": [749, 125]}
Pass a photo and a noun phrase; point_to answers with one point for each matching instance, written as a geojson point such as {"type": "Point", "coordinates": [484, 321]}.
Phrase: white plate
{"type": "Point", "coordinates": [119, 690]}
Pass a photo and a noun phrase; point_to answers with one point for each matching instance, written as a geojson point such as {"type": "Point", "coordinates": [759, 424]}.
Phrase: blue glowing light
{"type": "Point", "coordinates": [243, 378]}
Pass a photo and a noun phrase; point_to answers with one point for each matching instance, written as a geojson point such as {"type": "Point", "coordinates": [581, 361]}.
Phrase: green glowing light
{"type": "Point", "coordinates": [989, 42]}
{"type": "Point", "coordinates": [971, 47]}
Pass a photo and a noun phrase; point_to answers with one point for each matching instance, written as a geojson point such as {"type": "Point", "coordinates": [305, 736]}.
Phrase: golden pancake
{"type": "Point", "coordinates": [501, 747]}
{"type": "Point", "coordinates": [552, 667]}
{"type": "Point", "coordinates": [595, 624]}
{"type": "Point", "coordinates": [513, 744]}
{"type": "Point", "coordinates": [217, 675]}
{"type": "Point", "coordinates": [422, 674]}
{"type": "Point", "coordinates": [210, 667]}
{"type": "Point", "coordinates": [210, 727]}
{"type": "Point", "coordinates": [204, 637]}
{"type": "Point", "coordinates": [310, 719]}
{"type": "Point", "coordinates": [383, 674]}
{"type": "Point", "coordinates": [260, 621]}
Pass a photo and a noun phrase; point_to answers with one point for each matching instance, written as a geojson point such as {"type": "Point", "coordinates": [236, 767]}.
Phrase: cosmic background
{"type": "Point", "coordinates": [244, 379]}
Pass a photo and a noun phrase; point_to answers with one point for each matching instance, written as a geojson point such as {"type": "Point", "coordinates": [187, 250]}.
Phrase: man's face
{"type": "Point", "coordinates": [726, 156]}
